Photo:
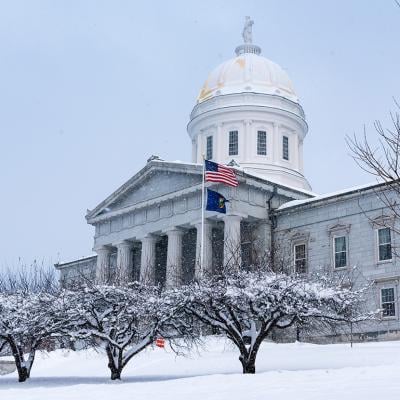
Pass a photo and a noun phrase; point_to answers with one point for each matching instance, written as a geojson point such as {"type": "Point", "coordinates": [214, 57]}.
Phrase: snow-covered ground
{"type": "Point", "coordinates": [284, 371]}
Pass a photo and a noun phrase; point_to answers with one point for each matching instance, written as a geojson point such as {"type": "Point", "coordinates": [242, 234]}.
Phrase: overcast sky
{"type": "Point", "coordinates": [90, 89]}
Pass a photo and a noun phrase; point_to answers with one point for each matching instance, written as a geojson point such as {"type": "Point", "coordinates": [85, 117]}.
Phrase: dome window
{"type": "Point", "coordinates": [285, 148]}
{"type": "Point", "coordinates": [233, 143]}
{"type": "Point", "coordinates": [209, 148]}
{"type": "Point", "coordinates": [261, 143]}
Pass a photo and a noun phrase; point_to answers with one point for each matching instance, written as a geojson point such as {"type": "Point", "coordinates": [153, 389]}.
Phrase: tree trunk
{"type": "Point", "coordinates": [23, 374]}
{"type": "Point", "coordinates": [29, 363]}
{"type": "Point", "coordinates": [18, 354]}
{"type": "Point", "coordinates": [115, 373]}
{"type": "Point", "coordinates": [248, 364]}
{"type": "Point", "coordinates": [113, 364]}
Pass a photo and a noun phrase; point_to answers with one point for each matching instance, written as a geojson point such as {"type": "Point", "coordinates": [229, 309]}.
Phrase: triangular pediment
{"type": "Point", "coordinates": [155, 180]}
{"type": "Point", "coordinates": [339, 227]}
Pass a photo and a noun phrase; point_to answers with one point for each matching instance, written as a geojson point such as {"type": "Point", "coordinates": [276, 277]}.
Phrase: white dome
{"type": "Point", "coordinates": [248, 72]}
{"type": "Point", "coordinates": [248, 112]}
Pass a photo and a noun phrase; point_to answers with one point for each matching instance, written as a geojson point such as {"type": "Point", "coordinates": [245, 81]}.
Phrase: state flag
{"type": "Point", "coordinates": [216, 202]}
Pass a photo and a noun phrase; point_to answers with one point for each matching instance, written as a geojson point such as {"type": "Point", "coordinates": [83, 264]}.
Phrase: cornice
{"type": "Point", "coordinates": [243, 177]}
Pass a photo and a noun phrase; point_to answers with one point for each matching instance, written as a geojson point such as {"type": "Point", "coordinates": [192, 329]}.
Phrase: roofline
{"type": "Point", "coordinates": [93, 215]}
{"type": "Point", "coordinates": [334, 196]}
{"type": "Point", "coordinates": [141, 174]}
{"type": "Point", "coordinates": [280, 185]}
{"type": "Point", "coordinates": [198, 103]}
{"type": "Point", "coordinates": [62, 265]}
{"type": "Point", "coordinates": [300, 119]}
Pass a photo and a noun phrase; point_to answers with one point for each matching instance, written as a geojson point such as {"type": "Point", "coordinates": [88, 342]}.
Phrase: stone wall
{"type": "Point", "coordinates": [356, 216]}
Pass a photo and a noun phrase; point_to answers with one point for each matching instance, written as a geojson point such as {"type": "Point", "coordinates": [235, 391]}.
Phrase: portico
{"type": "Point", "coordinates": [176, 262]}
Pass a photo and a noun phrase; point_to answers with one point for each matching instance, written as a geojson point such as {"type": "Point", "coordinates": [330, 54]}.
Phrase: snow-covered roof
{"type": "Point", "coordinates": [326, 196]}
{"type": "Point", "coordinates": [180, 162]}
{"type": "Point", "coordinates": [75, 260]}
{"type": "Point", "coordinates": [260, 176]}
{"type": "Point", "coordinates": [156, 164]}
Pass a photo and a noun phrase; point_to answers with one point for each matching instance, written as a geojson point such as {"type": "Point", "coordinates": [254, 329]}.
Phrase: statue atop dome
{"type": "Point", "coordinates": [247, 33]}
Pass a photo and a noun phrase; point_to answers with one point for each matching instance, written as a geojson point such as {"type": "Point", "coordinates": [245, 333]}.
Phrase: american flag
{"type": "Point", "coordinates": [219, 173]}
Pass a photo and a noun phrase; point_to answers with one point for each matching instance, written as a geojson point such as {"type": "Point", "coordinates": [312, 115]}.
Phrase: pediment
{"type": "Point", "coordinates": [299, 236]}
{"type": "Point", "coordinates": [382, 220]}
{"type": "Point", "coordinates": [154, 181]}
{"type": "Point", "coordinates": [338, 227]}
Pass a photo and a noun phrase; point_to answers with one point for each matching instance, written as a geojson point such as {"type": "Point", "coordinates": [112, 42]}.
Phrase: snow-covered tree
{"type": "Point", "coordinates": [32, 278]}
{"type": "Point", "coordinates": [246, 306]}
{"type": "Point", "coordinates": [123, 319]}
{"type": "Point", "coordinates": [379, 156]}
{"type": "Point", "coordinates": [27, 321]}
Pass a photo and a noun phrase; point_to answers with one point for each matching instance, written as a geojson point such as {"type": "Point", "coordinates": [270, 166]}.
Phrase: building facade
{"type": "Point", "coordinates": [247, 115]}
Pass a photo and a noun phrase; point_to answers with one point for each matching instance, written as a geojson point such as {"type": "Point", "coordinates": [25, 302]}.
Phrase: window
{"type": "Point", "coordinates": [384, 244]}
{"type": "Point", "coordinates": [262, 143]}
{"type": "Point", "coordinates": [340, 251]}
{"type": "Point", "coordinates": [388, 303]}
{"type": "Point", "coordinates": [300, 262]}
{"type": "Point", "coordinates": [233, 143]}
{"type": "Point", "coordinates": [209, 149]}
{"type": "Point", "coordinates": [285, 148]}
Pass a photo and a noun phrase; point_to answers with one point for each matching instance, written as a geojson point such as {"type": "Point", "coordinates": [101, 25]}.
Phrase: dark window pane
{"type": "Point", "coordinates": [388, 310]}
{"type": "Point", "coordinates": [387, 295]}
{"type": "Point", "coordinates": [340, 243]}
{"type": "Point", "coordinates": [300, 262]}
{"type": "Point", "coordinates": [385, 252]}
{"type": "Point", "coordinates": [301, 266]}
{"type": "Point", "coordinates": [209, 154]}
{"type": "Point", "coordinates": [285, 148]}
{"type": "Point", "coordinates": [384, 236]}
{"type": "Point", "coordinates": [340, 260]}
{"type": "Point", "coordinates": [388, 302]}
{"type": "Point", "coordinates": [340, 251]}
{"type": "Point", "coordinates": [384, 244]}
{"type": "Point", "coordinates": [262, 143]}
{"type": "Point", "coordinates": [233, 143]}
{"type": "Point", "coordinates": [300, 251]}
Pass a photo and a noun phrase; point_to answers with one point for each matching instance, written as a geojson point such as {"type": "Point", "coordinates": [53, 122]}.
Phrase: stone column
{"type": "Point", "coordinates": [276, 144]}
{"type": "Point", "coordinates": [194, 151]}
{"type": "Point", "coordinates": [248, 141]}
{"type": "Point", "coordinates": [103, 264]}
{"type": "Point", "coordinates": [232, 241]}
{"type": "Point", "coordinates": [262, 243]}
{"type": "Point", "coordinates": [301, 164]}
{"type": "Point", "coordinates": [207, 267]}
{"type": "Point", "coordinates": [124, 271]}
{"type": "Point", "coordinates": [295, 151]}
{"type": "Point", "coordinates": [219, 145]}
{"type": "Point", "coordinates": [148, 260]}
{"type": "Point", "coordinates": [174, 258]}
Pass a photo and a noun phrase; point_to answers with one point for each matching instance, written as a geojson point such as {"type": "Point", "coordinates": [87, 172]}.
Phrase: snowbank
{"type": "Point", "coordinates": [284, 371]}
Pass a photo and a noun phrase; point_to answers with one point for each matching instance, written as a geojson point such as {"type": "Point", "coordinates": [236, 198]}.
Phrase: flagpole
{"type": "Point", "coordinates": [202, 219]}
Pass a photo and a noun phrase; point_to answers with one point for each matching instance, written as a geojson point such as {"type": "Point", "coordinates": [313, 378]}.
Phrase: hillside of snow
{"type": "Point", "coordinates": [284, 371]}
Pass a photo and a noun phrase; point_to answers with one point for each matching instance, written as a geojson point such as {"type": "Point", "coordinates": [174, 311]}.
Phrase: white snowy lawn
{"type": "Point", "coordinates": [284, 371]}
